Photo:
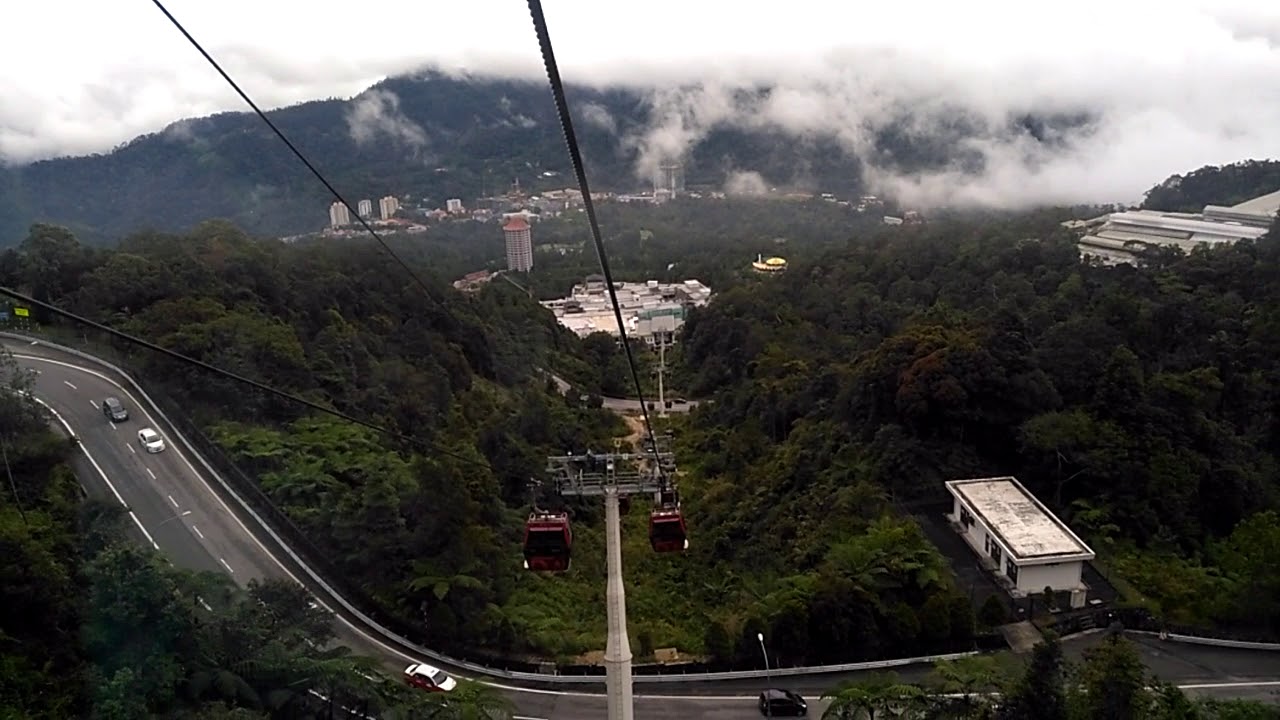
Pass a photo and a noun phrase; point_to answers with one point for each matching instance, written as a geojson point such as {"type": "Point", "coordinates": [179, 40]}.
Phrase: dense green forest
{"type": "Point", "coordinates": [1109, 684]}
{"type": "Point", "coordinates": [97, 625]}
{"type": "Point", "coordinates": [431, 535]}
{"type": "Point", "coordinates": [1212, 185]}
{"type": "Point", "coordinates": [434, 537]}
{"type": "Point", "coordinates": [1138, 402]}
{"type": "Point", "coordinates": [468, 135]}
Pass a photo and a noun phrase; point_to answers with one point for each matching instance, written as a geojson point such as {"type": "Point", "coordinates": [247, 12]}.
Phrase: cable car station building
{"type": "Point", "coordinates": [1017, 538]}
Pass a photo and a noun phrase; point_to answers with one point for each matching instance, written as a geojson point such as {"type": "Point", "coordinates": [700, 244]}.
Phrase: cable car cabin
{"type": "Point", "coordinates": [667, 531]}
{"type": "Point", "coordinates": [548, 541]}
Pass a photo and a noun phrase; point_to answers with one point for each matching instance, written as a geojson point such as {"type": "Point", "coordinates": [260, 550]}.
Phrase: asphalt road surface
{"type": "Point", "coordinates": [182, 517]}
{"type": "Point", "coordinates": [627, 405]}
{"type": "Point", "coordinates": [176, 511]}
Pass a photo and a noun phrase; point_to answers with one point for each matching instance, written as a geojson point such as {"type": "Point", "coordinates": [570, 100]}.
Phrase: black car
{"type": "Point", "coordinates": [782, 703]}
{"type": "Point", "coordinates": [114, 410]}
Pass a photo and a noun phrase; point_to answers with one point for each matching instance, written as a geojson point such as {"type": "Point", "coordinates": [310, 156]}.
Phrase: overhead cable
{"type": "Point", "coordinates": [298, 153]}
{"type": "Point", "coordinates": [575, 156]}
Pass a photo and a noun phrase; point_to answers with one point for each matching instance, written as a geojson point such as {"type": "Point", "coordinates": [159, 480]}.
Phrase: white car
{"type": "Point", "coordinates": [428, 678]}
{"type": "Point", "coordinates": [150, 440]}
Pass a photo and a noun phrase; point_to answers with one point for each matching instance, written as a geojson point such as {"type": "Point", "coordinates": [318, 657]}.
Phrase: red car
{"type": "Point", "coordinates": [428, 678]}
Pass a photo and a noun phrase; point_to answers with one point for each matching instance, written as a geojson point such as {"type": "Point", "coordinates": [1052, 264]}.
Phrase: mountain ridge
{"type": "Point", "coordinates": [438, 135]}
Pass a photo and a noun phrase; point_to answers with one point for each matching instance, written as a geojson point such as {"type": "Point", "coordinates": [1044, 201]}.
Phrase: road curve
{"type": "Point", "coordinates": [178, 511]}
{"type": "Point", "coordinates": [625, 405]}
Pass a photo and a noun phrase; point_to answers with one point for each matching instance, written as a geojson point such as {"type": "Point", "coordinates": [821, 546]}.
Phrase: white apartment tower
{"type": "Point", "coordinates": [365, 208]}
{"type": "Point", "coordinates": [339, 216]}
{"type": "Point", "coordinates": [519, 244]}
{"type": "Point", "coordinates": [388, 206]}
{"type": "Point", "coordinates": [453, 206]}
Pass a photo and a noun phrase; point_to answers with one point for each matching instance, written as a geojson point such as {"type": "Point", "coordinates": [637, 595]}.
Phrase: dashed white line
{"type": "Point", "coordinates": [197, 531]}
{"type": "Point", "coordinates": [68, 384]}
{"type": "Point", "coordinates": [113, 427]}
{"type": "Point", "coordinates": [131, 448]}
{"type": "Point", "coordinates": [101, 474]}
{"type": "Point", "coordinates": [175, 502]}
{"type": "Point", "coordinates": [225, 565]}
{"type": "Point", "coordinates": [94, 403]}
{"type": "Point", "coordinates": [153, 475]}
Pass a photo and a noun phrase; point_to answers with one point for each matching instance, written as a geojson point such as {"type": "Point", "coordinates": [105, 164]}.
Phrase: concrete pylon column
{"type": "Point", "coordinates": [617, 652]}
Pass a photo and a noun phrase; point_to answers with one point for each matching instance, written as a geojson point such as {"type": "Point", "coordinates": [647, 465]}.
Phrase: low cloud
{"type": "Point", "coordinates": [596, 115]}
{"type": "Point", "coordinates": [745, 182]}
{"type": "Point", "coordinates": [1161, 87]}
{"type": "Point", "coordinates": [376, 115]}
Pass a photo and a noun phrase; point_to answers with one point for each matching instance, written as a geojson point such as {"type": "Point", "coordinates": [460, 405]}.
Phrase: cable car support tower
{"type": "Point", "coordinates": [617, 477]}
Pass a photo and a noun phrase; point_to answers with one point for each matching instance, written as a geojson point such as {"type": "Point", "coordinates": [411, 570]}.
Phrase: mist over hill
{"type": "Point", "coordinates": [435, 135]}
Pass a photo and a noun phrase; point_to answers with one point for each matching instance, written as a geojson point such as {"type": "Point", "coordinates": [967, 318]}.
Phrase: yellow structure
{"type": "Point", "coordinates": [770, 266]}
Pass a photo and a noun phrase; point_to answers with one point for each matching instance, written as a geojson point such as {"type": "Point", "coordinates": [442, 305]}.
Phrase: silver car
{"type": "Point", "coordinates": [150, 440]}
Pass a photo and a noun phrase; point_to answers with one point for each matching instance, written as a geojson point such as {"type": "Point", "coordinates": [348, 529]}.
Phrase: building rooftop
{"type": "Point", "coordinates": [1125, 233]}
{"type": "Point", "coordinates": [588, 309]}
{"type": "Point", "coordinates": [1268, 205]}
{"type": "Point", "coordinates": [1023, 524]}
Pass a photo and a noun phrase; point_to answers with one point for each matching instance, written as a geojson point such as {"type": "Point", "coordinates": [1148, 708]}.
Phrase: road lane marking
{"type": "Point", "coordinates": [105, 479]}
{"type": "Point", "coordinates": [153, 475]}
{"type": "Point", "coordinates": [225, 565]}
{"type": "Point", "coordinates": [175, 502]}
{"type": "Point", "coordinates": [113, 427]}
{"type": "Point", "coordinates": [68, 384]}
{"type": "Point", "coordinates": [94, 403]}
{"type": "Point", "coordinates": [131, 449]}
{"type": "Point", "coordinates": [197, 531]}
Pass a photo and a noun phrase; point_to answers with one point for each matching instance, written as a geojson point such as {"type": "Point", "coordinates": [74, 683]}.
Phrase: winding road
{"type": "Point", "coordinates": [186, 515]}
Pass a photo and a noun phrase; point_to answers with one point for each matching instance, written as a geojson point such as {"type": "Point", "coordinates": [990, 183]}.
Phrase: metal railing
{"type": "Point", "coordinates": [365, 623]}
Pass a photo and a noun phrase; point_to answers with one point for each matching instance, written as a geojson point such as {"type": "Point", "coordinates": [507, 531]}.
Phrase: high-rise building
{"type": "Point", "coordinates": [519, 244]}
{"type": "Point", "coordinates": [453, 205]}
{"type": "Point", "coordinates": [365, 208]}
{"type": "Point", "coordinates": [669, 178]}
{"type": "Point", "coordinates": [388, 207]}
{"type": "Point", "coordinates": [339, 216]}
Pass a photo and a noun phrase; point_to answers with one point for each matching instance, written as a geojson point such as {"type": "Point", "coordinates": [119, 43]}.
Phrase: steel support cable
{"type": "Point", "coordinates": [133, 339]}
{"type": "Point", "coordinates": [575, 156]}
{"type": "Point", "coordinates": [298, 153]}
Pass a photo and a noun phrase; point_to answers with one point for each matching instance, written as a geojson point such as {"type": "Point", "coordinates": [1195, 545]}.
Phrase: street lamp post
{"type": "Point", "coordinates": [768, 704]}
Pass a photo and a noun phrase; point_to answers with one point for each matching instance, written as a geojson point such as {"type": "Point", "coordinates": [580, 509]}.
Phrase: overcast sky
{"type": "Point", "coordinates": [1177, 83]}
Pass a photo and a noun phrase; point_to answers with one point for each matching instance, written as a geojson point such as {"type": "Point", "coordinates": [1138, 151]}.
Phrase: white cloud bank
{"type": "Point", "coordinates": [1171, 85]}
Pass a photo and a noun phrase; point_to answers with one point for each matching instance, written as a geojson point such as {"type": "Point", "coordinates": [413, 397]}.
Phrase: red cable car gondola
{"type": "Point", "coordinates": [667, 531]}
{"type": "Point", "coordinates": [548, 542]}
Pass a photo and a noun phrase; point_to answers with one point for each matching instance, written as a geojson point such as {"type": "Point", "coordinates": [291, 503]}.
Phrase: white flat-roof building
{"type": "Point", "coordinates": [651, 310]}
{"type": "Point", "coordinates": [1017, 537]}
{"type": "Point", "coordinates": [1121, 237]}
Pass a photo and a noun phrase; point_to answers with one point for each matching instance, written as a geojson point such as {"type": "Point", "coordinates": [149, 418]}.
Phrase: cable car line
{"type": "Point", "coordinates": [548, 538]}
{"type": "Point", "coordinates": [575, 156]}
{"type": "Point", "coordinates": [282, 394]}
{"type": "Point", "coordinates": [298, 153]}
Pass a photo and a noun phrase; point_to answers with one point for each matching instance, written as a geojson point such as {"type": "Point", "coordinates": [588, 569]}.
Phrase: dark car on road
{"type": "Point", "coordinates": [114, 410]}
{"type": "Point", "coordinates": [782, 703]}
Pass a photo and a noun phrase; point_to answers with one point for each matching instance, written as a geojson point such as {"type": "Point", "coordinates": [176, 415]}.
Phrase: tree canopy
{"type": "Point", "coordinates": [1139, 403]}
{"type": "Point", "coordinates": [97, 625]}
